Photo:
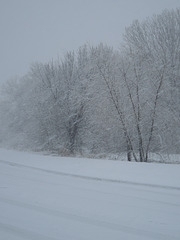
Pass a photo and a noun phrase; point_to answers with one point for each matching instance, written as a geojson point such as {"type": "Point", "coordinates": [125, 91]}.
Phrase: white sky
{"type": "Point", "coordinates": [39, 30]}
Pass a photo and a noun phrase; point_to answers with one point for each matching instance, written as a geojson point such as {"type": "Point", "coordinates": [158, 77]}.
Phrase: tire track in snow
{"type": "Point", "coordinates": [88, 177]}
{"type": "Point", "coordinates": [77, 218]}
{"type": "Point", "coordinates": [23, 233]}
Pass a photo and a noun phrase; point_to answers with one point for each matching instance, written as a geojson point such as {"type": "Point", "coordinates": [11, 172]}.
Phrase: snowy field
{"type": "Point", "coordinates": [48, 198]}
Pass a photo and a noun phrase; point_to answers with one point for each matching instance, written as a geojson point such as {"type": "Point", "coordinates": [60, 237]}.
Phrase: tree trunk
{"type": "Point", "coordinates": [129, 153]}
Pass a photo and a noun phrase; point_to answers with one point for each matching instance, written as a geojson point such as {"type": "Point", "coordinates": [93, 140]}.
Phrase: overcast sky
{"type": "Point", "coordinates": [39, 30]}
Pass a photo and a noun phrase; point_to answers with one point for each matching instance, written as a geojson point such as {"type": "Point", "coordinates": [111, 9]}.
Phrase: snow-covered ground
{"type": "Point", "coordinates": [48, 198]}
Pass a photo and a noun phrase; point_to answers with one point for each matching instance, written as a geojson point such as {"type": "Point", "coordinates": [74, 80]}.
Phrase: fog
{"type": "Point", "coordinates": [41, 30]}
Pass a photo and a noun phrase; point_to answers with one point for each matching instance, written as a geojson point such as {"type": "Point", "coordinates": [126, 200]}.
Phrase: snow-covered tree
{"type": "Point", "coordinates": [100, 99]}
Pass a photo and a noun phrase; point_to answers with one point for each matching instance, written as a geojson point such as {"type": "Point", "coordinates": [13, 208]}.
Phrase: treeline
{"type": "Point", "coordinates": [101, 100]}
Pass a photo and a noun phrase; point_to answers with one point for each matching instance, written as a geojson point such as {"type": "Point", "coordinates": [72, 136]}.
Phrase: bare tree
{"type": "Point", "coordinates": [157, 42]}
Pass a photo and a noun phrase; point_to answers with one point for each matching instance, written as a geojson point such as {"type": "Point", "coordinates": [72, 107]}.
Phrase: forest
{"type": "Point", "coordinates": [102, 100]}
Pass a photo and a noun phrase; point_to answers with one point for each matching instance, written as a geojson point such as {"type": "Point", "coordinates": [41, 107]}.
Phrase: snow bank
{"type": "Point", "coordinates": [164, 175]}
